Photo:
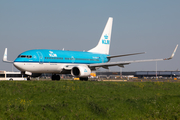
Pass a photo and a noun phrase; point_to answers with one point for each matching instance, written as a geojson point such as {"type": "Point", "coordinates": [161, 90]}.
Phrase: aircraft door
{"type": "Point", "coordinates": [41, 59]}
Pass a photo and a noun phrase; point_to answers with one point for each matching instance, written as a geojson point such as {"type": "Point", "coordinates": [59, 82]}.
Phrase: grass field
{"type": "Point", "coordinates": [89, 100]}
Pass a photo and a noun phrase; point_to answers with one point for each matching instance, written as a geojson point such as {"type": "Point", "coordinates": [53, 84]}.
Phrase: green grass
{"type": "Point", "coordinates": [89, 100]}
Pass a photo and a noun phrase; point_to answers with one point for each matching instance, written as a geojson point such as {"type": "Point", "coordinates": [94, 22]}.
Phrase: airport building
{"type": "Point", "coordinates": [140, 74]}
{"type": "Point", "coordinates": [116, 74]}
{"type": "Point", "coordinates": [130, 74]}
{"type": "Point", "coordinates": [100, 74]}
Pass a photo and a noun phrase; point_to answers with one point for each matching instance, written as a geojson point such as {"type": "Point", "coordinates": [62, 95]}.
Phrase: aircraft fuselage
{"type": "Point", "coordinates": [53, 61]}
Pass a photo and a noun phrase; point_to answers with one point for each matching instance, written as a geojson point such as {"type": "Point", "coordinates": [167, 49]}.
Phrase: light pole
{"type": "Point", "coordinates": [12, 67]}
{"type": "Point", "coordinates": [156, 70]}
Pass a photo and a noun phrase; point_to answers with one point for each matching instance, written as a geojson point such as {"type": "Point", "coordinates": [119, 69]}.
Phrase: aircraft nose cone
{"type": "Point", "coordinates": [18, 65]}
{"type": "Point", "coordinates": [15, 64]}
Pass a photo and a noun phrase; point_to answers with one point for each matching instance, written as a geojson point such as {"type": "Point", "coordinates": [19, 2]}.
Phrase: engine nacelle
{"type": "Point", "coordinates": [80, 71]}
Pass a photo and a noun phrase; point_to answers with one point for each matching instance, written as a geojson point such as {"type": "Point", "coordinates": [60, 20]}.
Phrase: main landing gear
{"type": "Point", "coordinates": [84, 78]}
{"type": "Point", "coordinates": [55, 77]}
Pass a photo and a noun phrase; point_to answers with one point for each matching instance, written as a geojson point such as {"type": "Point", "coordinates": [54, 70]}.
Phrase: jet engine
{"type": "Point", "coordinates": [80, 71]}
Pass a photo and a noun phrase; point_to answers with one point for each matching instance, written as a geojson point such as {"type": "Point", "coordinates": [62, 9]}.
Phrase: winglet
{"type": "Point", "coordinates": [5, 57]}
{"type": "Point", "coordinates": [172, 53]}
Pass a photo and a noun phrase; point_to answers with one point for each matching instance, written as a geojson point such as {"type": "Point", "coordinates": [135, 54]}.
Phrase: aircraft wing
{"type": "Point", "coordinates": [122, 63]}
{"type": "Point", "coordinates": [113, 56]}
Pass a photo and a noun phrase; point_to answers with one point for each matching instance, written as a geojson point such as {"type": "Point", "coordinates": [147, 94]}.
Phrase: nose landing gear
{"type": "Point", "coordinates": [28, 78]}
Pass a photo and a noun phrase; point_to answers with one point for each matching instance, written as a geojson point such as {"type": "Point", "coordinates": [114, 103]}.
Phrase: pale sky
{"type": "Point", "coordinates": [150, 26]}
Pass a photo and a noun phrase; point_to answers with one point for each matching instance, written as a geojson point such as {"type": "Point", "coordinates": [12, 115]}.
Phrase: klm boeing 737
{"type": "Point", "coordinates": [79, 64]}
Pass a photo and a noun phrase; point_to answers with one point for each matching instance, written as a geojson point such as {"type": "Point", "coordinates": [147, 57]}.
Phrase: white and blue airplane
{"type": "Point", "coordinates": [78, 63]}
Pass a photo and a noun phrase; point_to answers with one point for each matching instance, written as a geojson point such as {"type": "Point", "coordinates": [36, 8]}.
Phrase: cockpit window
{"type": "Point", "coordinates": [24, 56]}
{"type": "Point", "coordinates": [29, 56]}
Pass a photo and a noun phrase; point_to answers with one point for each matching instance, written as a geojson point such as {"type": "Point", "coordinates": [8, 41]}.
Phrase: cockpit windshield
{"type": "Point", "coordinates": [24, 56]}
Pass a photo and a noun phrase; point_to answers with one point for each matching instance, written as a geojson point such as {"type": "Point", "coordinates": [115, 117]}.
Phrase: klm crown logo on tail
{"type": "Point", "coordinates": [105, 40]}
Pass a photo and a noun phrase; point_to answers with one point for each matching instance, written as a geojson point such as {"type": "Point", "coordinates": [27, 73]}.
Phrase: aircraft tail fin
{"type": "Point", "coordinates": [104, 43]}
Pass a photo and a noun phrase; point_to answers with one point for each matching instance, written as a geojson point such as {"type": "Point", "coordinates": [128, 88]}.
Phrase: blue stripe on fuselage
{"type": "Point", "coordinates": [61, 56]}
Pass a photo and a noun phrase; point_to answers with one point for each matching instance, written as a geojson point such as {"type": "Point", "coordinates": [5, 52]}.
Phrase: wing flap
{"type": "Point", "coordinates": [113, 56]}
{"type": "Point", "coordinates": [120, 63]}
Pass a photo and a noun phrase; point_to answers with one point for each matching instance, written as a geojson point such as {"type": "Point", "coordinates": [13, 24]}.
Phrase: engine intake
{"type": "Point", "coordinates": [80, 71]}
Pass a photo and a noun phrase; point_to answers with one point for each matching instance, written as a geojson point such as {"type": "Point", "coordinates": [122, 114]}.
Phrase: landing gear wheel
{"type": "Point", "coordinates": [28, 78]}
{"type": "Point", "coordinates": [84, 78]}
{"type": "Point", "coordinates": [55, 77]}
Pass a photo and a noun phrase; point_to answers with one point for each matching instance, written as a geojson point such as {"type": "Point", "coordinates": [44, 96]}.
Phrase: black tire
{"type": "Point", "coordinates": [84, 78]}
{"type": "Point", "coordinates": [28, 78]}
{"type": "Point", "coordinates": [55, 77]}
{"type": "Point", "coordinates": [11, 79]}
{"type": "Point", "coordinates": [58, 77]}
{"type": "Point", "coordinates": [81, 79]}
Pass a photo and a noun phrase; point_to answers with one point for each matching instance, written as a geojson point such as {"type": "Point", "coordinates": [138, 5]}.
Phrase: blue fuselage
{"type": "Point", "coordinates": [61, 56]}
